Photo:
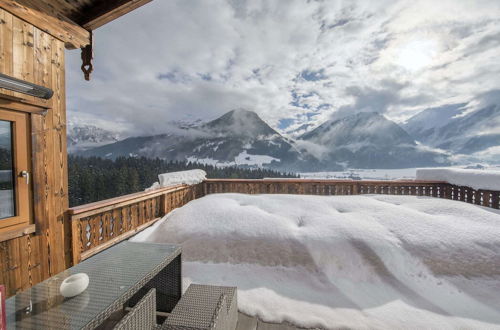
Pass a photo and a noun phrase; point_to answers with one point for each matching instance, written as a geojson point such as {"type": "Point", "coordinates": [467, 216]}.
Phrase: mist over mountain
{"type": "Point", "coordinates": [83, 137]}
{"type": "Point", "coordinates": [466, 129]}
{"type": "Point", "coordinates": [368, 140]}
{"type": "Point", "coordinates": [240, 137]}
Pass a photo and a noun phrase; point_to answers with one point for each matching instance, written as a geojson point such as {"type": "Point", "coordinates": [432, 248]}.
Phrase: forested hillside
{"type": "Point", "coordinates": [93, 179]}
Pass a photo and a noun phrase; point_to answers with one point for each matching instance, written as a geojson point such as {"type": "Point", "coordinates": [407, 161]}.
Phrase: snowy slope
{"type": "Point", "coordinates": [362, 262]}
{"type": "Point", "coordinates": [242, 138]}
{"type": "Point", "coordinates": [369, 140]}
{"type": "Point", "coordinates": [83, 136]}
{"type": "Point", "coordinates": [430, 120]}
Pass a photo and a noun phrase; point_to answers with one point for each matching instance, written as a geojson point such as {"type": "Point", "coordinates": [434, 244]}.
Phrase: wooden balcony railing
{"type": "Point", "coordinates": [438, 189]}
{"type": "Point", "coordinates": [97, 226]}
{"type": "Point", "coordinates": [324, 187]}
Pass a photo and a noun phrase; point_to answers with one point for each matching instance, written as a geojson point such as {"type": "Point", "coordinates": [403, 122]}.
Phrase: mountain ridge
{"type": "Point", "coordinates": [240, 137]}
{"type": "Point", "coordinates": [464, 131]}
{"type": "Point", "coordinates": [369, 140]}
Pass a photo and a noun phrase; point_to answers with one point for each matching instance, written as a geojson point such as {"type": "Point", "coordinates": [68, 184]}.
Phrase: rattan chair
{"type": "Point", "coordinates": [205, 307]}
{"type": "Point", "coordinates": [142, 315]}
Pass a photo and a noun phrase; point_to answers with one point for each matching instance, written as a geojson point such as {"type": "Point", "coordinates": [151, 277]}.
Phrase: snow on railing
{"type": "Point", "coordinates": [182, 177]}
{"type": "Point", "coordinates": [476, 179]}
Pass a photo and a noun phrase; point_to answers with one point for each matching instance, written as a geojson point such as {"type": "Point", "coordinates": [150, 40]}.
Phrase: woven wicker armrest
{"type": "Point", "coordinates": [220, 317]}
{"type": "Point", "coordinates": [142, 315]}
{"type": "Point", "coordinates": [205, 307]}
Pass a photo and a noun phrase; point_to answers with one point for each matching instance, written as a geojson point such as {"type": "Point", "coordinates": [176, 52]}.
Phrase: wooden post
{"type": "Point", "coordinates": [76, 245]}
{"type": "Point", "coordinates": [355, 188]}
{"type": "Point", "coordinates": [495, 199]}
{"type": "Point", "coordinates": [477, 197]}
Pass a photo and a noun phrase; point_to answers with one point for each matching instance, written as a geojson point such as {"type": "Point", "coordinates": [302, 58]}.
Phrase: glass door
{"type": "Point", "coordinates": [7, 184]}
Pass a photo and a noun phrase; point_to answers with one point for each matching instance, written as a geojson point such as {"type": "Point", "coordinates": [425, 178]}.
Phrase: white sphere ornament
{"type": "Point", "coordinates": [74, 285]}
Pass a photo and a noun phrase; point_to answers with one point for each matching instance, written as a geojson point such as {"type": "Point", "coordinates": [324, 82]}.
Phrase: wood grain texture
{"type": "Point", "coordinates": [34, 55]}
{"type": "Point", "coordinates": [106, 11]}
{"type": "Point", "coordinates": [33, 35]}
{"type": "Point", "coordinates": [43, 15]}
{"type": "Point", "coordinates": [70, 21]}
{"type": "Point", "coordinates": [100, 225]}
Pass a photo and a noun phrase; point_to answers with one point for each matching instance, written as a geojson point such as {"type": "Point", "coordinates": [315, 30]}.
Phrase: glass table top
{"type": "Point", "coordinates": [115, 273]}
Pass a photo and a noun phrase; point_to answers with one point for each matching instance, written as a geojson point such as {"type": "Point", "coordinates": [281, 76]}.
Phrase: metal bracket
{"type": "Point", "coordinates": [87, 57]}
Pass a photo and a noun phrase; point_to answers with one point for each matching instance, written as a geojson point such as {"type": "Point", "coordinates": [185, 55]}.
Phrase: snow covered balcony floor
{"type": "Point", "coordinates": [361, 262]}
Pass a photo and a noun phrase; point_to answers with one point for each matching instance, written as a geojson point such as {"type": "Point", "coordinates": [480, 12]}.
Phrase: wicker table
{"type": "Point", "coordinates": [121, 274]}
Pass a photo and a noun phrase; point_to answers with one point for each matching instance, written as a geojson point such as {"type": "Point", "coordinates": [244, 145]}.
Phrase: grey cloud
{"type": "Point", "coordinates": [283, 58]}
{"type": "Point", "coordinates": [485, 43]}
{"type": "Point", "coordinates": [370, 99]}
{"type": "Point", "coordinates": [489, 98]}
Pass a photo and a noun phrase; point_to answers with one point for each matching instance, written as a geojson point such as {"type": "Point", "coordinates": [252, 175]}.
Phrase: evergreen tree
{"type": "Point", "coordinates": [93, 179]}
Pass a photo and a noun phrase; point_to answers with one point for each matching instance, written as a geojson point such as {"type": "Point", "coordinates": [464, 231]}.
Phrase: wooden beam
{"type": "Point", "coordinates": [45, 18]}
{"type": "Point", "coordinates": [16, 231]}
{"type": "Point", "coordinates": [24, 105]}
{"type": "Point", "coordinates": [87, 210]}
{"type": "Point", "coordinates": [98, 15]}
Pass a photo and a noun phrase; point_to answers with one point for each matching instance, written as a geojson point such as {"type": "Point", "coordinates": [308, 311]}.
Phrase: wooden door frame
{"type": "Point", "coordinates": [21, 152]}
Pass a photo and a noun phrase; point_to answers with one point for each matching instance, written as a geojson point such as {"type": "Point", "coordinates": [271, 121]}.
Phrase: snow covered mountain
{"type": "Point", "coordinates": [242, 138]}
{"type": "Point", "coordinates": [367, 140]}
{"type": "Point", "coordinates": [458, 129]}
{"type": "Point", "coordinates": [239, 137]}
{"type": "Point", "coordinates": [83, 137]}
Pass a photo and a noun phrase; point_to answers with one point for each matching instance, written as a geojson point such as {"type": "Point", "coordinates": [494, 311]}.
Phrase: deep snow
{"type": "Point", "coordinates": [361, 262]}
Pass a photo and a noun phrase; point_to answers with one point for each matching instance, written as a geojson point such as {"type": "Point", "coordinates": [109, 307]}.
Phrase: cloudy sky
{"type": "Point", "coordinates": [294, 62]}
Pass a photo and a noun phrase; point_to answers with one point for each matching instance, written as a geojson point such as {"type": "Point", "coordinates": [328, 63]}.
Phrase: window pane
{"type": "Point", "coordinates": [7, 202]}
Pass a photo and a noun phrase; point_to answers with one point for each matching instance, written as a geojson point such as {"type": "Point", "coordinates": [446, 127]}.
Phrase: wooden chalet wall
{"type": "Point", "coordinates": [28, 53]}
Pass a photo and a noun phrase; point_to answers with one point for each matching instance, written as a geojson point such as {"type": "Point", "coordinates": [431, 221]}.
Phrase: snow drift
{"type": "Point", "coordinates": [476, 179]}
{"type": "Point", "coordinates": [360, 262]}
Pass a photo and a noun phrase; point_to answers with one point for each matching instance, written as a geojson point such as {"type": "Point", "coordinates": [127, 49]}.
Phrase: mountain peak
{"type": "Point", "coordinates": [239, 122]}
{"type": "Point", "coordinates": [368, 139]}
{"type": "Point", "coordinates": [88, 136]}
{"type": "Point", "coordinates": [359, 127]}
{"type": "Point", "coordinates": [242, 114]}
{"type": "Point", "coordinates": [242, 111]}
{"type": "Point", "coordinates": [365, 115]}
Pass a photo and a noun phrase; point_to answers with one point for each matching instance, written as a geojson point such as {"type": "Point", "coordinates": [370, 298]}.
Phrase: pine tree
{"type": "Point", "coordinates": [93, 179]}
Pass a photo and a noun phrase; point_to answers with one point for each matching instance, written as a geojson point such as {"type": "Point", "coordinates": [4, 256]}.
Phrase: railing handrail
{"type": "Point", "coordinates": [347, 181]}
{"type": "Point", "coordinates": [100, 206]}
{"type": "Point", "coordinates": [130, 198]}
